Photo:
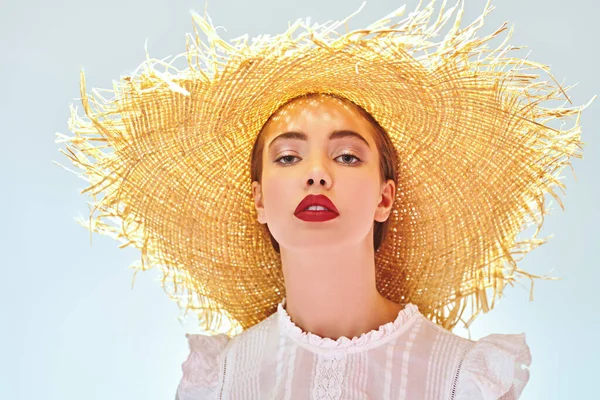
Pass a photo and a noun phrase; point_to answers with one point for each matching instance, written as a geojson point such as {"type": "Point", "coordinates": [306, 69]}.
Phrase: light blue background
{"type": "Point", "coordinates": [71, 327]}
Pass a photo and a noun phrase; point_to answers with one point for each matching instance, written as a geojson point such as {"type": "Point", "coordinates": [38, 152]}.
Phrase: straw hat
{"type": "Point", "coordinates": [169, 154]}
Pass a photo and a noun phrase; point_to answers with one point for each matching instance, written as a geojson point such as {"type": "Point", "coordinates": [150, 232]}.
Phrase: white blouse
{"type": "Point", "coordinates": [408, 358]}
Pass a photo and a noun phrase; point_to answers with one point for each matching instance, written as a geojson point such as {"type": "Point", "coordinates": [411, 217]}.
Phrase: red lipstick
{"type": "Point", "coordinates": [304, 214]}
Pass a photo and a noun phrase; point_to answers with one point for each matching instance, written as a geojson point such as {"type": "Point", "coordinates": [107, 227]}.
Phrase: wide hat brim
{"type": "Point", "coordinates": [170, 156]}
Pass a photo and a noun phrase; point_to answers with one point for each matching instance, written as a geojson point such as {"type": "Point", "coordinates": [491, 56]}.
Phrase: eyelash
{"type": "Point", "coordinates": [343, 154]}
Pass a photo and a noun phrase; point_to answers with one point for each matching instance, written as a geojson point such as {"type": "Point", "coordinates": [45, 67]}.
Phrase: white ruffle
{"type": "Point", "coordinates": [495, 367]}
{"type": "Point", "coordinates": [201, 368]}
{"type": "Point", "coordinates": [295, 332]}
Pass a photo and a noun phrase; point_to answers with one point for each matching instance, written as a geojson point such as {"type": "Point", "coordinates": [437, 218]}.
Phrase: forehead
{"type": "Point", "coordinates": [315, 111]}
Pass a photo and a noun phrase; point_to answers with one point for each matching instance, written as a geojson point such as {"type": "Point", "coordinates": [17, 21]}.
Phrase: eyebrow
{"type": "Point", "coordinates": [337, 134]}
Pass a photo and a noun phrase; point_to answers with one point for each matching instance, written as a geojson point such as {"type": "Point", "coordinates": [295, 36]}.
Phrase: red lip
{"type": "Point", "coordinates": [316, 200]}
{"type": "Point", "coordinates": [316, 216]}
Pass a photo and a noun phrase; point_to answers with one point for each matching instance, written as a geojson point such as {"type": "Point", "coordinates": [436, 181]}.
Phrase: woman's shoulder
{"type": "Point", "coordinates": [494, 367]}
{"type": "Point", "coordinates": [204, 366]}
{"type": "Point", "coordinates": [490, 368]}
{"type": "Point", "coordinates": [201, 368]}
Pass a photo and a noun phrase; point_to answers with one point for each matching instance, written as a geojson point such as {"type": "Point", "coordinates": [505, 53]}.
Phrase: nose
{"type": "Point", "coordinates": [318, 172]}
{"type": "Point", "coordinates": [311, 181]}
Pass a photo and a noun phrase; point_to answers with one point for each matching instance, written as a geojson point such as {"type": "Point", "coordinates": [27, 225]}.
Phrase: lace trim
{"type": "Point", "coordinates": [375, 335]}
{"type": "Point", "coordinates": [329, 377]}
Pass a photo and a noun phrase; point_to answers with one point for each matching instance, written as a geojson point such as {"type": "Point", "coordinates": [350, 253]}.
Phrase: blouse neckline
{"type": "Point", "coordinates": [365, 340]}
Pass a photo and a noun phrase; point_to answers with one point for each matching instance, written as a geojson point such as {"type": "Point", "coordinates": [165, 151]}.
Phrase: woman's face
{"type": "Point", "coordinates": [345, 169]}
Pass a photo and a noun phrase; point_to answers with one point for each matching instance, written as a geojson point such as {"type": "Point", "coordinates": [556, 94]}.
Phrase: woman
{"type": "Point", "coordinates": [339, 161]}
{"type": "Point", "coordinates": [304, 350]}
{"type": "Point", "coordinates": [329, 205]}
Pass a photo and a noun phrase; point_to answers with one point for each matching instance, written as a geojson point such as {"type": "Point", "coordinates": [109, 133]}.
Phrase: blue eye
{"type": "Point", "coordinates": [350, 155]}
{"type": "Point", "coordinates": [287, 157]}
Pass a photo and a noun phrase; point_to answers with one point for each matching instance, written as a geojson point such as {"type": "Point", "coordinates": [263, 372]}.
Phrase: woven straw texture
{"type": "Point", "coordinates": [167, 159]}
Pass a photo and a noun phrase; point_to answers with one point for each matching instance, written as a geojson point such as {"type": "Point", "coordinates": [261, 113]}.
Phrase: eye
{"type": "Point", "coordinates": [350, 155]}
{"type": "Point", "coordinates": [287, 157]}
{"type": "Point", "coordinates": [284, 157]}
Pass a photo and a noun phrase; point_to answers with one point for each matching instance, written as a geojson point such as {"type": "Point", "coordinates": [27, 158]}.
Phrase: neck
{"type": "Point", "coordinates": [334, 294]}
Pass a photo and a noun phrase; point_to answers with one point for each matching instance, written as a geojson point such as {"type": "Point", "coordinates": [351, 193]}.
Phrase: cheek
{"type": "Point", "coordinates": [360, 190]}
{"type": "Point", "coordinates": [278, 193]}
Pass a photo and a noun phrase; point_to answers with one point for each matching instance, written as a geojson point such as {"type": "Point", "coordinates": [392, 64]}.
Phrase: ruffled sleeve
{"type": "Point", "coordinates": [495, 367]}
{"type": "Point", "coordinates": [201, 369]}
